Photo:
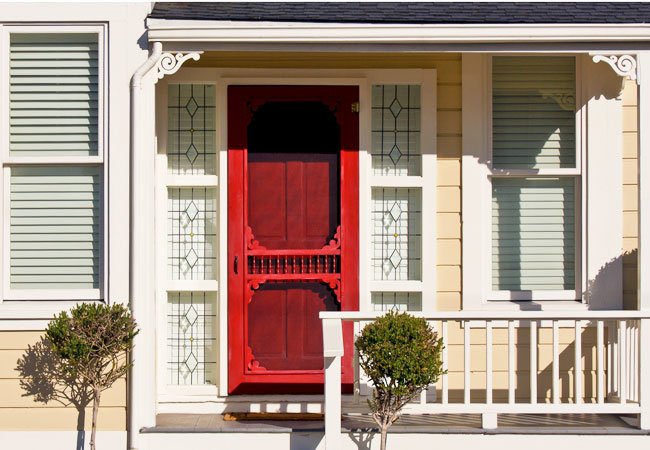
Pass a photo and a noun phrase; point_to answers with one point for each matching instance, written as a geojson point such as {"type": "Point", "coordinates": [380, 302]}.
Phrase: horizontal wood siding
{"type": "Point", "coordinates": [21, 411]}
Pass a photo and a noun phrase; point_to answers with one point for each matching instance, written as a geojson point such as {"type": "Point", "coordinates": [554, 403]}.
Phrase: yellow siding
{"type": "Point", "coordinates": [630, 195]}
{"type": "Point", "coordinates": [19, 411]}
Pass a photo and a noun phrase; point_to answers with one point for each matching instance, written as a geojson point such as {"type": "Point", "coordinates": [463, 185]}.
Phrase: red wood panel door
{"type": "Point", "coordinates": [293, 225]}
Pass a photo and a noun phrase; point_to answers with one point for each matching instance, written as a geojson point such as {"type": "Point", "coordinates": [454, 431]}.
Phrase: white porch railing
{"type": "Point", "coordinates": [622, 365]}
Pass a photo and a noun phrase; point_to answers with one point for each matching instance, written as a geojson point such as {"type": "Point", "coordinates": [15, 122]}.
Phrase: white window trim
{"type": "Point", "coordinates": [605, 237]}
{"type": "Point", "coordinates": [200, 398]}
{"type": "Point", "coordinates": [46, 296]}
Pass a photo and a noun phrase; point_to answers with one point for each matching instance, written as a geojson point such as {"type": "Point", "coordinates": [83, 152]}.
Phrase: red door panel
{"type": "Point", "coordinates": [292, 232]}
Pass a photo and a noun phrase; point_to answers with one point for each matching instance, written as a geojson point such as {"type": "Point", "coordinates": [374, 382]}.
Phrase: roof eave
{"type": "Point", "coordinates": [163, 30]}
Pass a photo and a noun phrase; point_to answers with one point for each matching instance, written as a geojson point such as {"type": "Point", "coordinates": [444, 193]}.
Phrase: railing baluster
{"type": "Point", "coordinates": [445, 365]}
{"type": "Point", "coordinates": [556, 362]}
{"type": "Point", "coordinates": [600, 361]}
{"type": "Point", "coordinates": [511, 361]}
{"type": "Point", "coordinates": [622, 360]}
{"type": "Point", "coordinates": [533, 362]}
{"type": "Point", "coordinates": [488, 362]}
{"type": "Point", "coordinates": [466, 365]}
{"type": "Point", "coordinates": [578, 362]}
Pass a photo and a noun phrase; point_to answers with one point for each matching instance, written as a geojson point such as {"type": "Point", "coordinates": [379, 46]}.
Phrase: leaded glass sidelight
{"type": "Point", "coordinates": [397, 233]}
{"type": "Point", "coordinates": [191, 136]}
{"type": "Point", "coordinates": [396, 130]}
{"type": "Point", "coordinates": [396, 301]}
{"type": "Point", "coordinates": [191, 233]}
{"type": "Point", "coordinates": [191, 338]}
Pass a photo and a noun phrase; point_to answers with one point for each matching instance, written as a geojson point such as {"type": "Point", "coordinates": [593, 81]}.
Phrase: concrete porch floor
{"type": "Point", "coordinates": [584, 424]}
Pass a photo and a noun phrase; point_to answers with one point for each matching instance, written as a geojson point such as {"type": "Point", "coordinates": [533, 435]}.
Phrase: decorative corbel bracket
{"type": "Point", "coordinates": [169, 63]}
{"type": "Point", "coordinates": [623, 65]}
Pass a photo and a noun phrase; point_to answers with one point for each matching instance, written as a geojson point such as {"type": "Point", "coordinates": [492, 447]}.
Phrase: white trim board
{"type": "Point", "coordinates": [202, 31]}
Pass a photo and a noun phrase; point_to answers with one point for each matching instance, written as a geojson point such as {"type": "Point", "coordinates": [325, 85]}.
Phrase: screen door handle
{"type": "Point", "coordinates": [236, 265]}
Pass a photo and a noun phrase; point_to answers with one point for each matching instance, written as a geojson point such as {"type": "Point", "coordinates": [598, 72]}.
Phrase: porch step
{"type": "Point", "coordinates": [537, 424]}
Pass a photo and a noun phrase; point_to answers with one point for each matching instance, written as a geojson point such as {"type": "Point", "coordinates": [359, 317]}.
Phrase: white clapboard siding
{"type": "Point", "coordinates": [55, 227]}
{"type": "Point", "coordinates": [53, 97]}
{"type": "Point", "coordinates": [533, 233]}
{"type": "Point", "coordinates": [533, 112]}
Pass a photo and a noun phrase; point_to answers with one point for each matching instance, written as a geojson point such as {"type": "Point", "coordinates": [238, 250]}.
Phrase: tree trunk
{"type": "Point", "coordinates": [96, 398]}
{"type": "Point", "coordinates": [384, 435]}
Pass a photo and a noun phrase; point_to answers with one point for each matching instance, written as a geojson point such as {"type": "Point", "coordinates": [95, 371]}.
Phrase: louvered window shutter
{"type": "Point", "coordinates": [53, 94]}
{"type": "Point", "coordinates": [533, 217]}
{"type": "Point", "coordinates": [54, 232]}
{"type": "Point", "coordinates": [533, 234]}
{"type": "Point", "coordinates": [55, 210]}
{"type": "Point", "coordinates": [533, 112]}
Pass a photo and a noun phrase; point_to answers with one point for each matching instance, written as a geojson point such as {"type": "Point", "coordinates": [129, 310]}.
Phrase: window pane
{"type": "Point", "coordinates": [396, 301]}
{"type": "Point", "coordinates": [54, 94]}
{"type": "Point", "coordinates": [191, 340]}
{"type": "Point", "coordinates": [533, 234]}
{"type": "Point", "coordinates": [191, 138]}
{"type": "Point", "coordinates": [533, 107]}
{"type": "Point", "coordinates": [191, 232]}
{"type": "Point", "coordinates": [55, 222]}
{"type": "Point", "coordinates": [396, 129]}
{"type": "Point", "coordinates": [397, 233]}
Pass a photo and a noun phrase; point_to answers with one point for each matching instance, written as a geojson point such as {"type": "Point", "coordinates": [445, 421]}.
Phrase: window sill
{"type": "Point", "coordinates": [17, 315]}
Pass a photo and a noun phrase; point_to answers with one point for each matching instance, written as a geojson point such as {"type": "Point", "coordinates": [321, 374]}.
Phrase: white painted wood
{"type": "Point", "coordinates": [643, 61]}
{"type": "Point", "coordinates": [332, 338]}
{"type": "Point", "coordinates": [467, 391]}
{"type": "Point", "coordinates": [488, 365]}
{"type": "Point", "coordinates": [556, 362]}
{"type": "Point", "coordinates": [511, 362]}
{"type": "Point", "coordinates": [622, 361]}
{"type": "Point", "coordinates": [533, 362]}
{"type": "Point", "coordinates": [489, 421]}
{"type": "Point", "coordinates": [332, 401]}
{"type": "Point", "coordinates": [600, 362]}
{"type": "Point", "coordinates": [644, 374]}
{"type": "Point", "coordinates": [445, 364]}
{"type": "Point", "coordinates": [279, 32]}
{"type": "Point", "coordinates": [497, 315]}
{"type": "Point", "coordinates": [578, 373]}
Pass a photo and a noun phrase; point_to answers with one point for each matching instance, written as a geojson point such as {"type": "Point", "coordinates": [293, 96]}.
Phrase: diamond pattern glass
{"type": "Point", "coordinates": [191, 137]}
{"type": "Point", "coordinates": [396, 129]}
{"type": "Point", "coordinates": [397, 233]}
{"type": "Point", "coordinates": [396, 301]}
{"type": "Point", "coordinates": [191, 338]}
{"type": "Point", "coordinates": [191, 231]}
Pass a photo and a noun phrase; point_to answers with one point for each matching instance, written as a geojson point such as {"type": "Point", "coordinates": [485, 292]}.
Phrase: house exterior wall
{"type": "Point", "coordinates": [25, 420]}
{"type": "Point", "coordinates": [21, 411]}
{"type": "Point", "coordinates": [630, 194]}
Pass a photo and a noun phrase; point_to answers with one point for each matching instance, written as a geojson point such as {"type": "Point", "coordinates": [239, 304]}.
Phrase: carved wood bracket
{"type": "Point", "coordinates": [169, 63]}
{"type": "Point", "coordinates": [623, 65]}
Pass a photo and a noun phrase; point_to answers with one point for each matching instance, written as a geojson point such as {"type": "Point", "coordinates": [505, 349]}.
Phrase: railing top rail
{"type": "Point", "coordinates": [357, 316]}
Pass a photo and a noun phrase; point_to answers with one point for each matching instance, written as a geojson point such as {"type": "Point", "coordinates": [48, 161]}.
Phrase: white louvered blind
{"type": "Point", "coordinates": [534, 215]}
{"type": "Point", "coordinates": [54, 83]}
{"type": "Point", "coordinates": [533, 234]}
{"type": "Point", "coordinates": [55, 227]}
{"type": "Point", "coordinates": [533, 112]}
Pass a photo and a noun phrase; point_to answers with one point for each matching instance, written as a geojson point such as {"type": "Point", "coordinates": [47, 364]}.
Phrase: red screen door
{"type": "Point", "coordinates": [293, 189]}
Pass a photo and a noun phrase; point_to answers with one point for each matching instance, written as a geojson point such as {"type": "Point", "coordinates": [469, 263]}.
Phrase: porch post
{"type": "Point", "coordinates": [643, 63]}
{"type": "Point", "coordinates": [332, 353]}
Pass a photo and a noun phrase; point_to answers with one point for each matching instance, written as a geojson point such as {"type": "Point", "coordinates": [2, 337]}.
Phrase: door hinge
{"type": "Point", "coordinates": [355, 107]}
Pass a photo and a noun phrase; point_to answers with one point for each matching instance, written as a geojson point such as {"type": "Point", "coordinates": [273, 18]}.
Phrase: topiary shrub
{"type": "Point", "coordinates": [401, 355]}
{"type": "Point", "coordinates": [92, 343]}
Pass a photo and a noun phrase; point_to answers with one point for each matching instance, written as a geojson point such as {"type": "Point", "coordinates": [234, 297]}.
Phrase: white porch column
{"type": "Point", "coordinates": [643, 62]}
{"type": "Point", "coordinates": [142, 402]}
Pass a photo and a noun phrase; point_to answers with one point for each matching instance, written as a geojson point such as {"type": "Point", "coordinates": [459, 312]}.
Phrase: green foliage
{"type": "Point", "coordinates": [92, 341]}
{"type": "Point", "coordinates": [401, 355]}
